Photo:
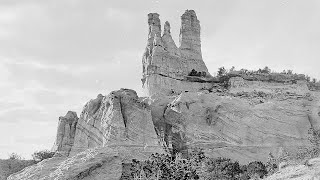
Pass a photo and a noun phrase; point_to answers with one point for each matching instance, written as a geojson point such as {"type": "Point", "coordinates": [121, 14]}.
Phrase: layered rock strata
{"type": "Point", "coordinates": [246, 123]}
{"type": "Point", "coordinates": [167, 69]}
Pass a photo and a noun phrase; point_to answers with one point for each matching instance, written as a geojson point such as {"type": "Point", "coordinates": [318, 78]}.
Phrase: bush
{"type": "Point", "coordinates": [42, 155]}
{"type": "Point", "coordinates": [222, 168]}
{"type": "Point", "coordinates": [195, 166]}
{"type": "Point", "coordinates": [256, 169]}
{"type": "Point", "coordinates": [14, 156]}
{"type": "Point", "coordinates": [222, 71]}
{"type": "Point", "coordinates": [160, 166]}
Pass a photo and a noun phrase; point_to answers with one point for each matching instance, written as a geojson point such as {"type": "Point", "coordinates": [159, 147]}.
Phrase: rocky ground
{"type": "Point", "coordinates": [310, 170]}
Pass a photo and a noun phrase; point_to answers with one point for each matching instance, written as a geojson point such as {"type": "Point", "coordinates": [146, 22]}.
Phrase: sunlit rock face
{"type": "Point", "coordinates": [66, 133]}
{"type": "Point", "coordinates": [166, 67]}
{"type": "Point", "coordinates": [246, 123]}
{"type": "Point", "coordinates": [118, 119]}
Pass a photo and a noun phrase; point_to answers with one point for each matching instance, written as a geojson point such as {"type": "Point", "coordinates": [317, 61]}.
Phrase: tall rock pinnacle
{"type": "Point", "coordinates": [190, 33]}
{"type": "Point", "coordinates": [167, 68]}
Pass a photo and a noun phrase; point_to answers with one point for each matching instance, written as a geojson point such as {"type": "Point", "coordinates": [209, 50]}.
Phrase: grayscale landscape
{"type": "Point", "coordinates": [159, 89]}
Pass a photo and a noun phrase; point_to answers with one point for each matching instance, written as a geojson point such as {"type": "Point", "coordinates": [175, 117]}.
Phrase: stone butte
{"type": "Point", "coordinates": [186, 107]}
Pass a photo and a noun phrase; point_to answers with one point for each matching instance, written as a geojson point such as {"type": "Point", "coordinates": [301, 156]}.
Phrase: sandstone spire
{"type": "Point", "coordinates": [166, 68]}
{"type": "Point", "coordinates": [154, 27]}
{"type": "Point", "coordinates": [190, 33]}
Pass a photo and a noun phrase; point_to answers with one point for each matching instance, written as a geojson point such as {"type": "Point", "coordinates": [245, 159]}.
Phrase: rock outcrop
{"type": "Point", "coordinates": [92, 164]}
{"type": "Point", "coordinates": [310, 170]}
{"type": "Point", "coordinates": [66, 133]}
{"type": "Point", "coordinates": [118, 119]}
{"type": "Point", "coordinates": [111, 130]}
{"type": "Point", "coordinates": [246, 123]}
{"type": "Point", "coordinates": [167, 68]}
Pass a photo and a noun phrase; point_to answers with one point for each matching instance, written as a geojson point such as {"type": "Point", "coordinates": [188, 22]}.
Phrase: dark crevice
{"type": "Point", "coordinates": [122, 112]}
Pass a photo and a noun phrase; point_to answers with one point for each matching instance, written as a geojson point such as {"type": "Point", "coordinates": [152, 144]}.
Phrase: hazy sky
{"type": "Point", "coordinates": [55, 55]}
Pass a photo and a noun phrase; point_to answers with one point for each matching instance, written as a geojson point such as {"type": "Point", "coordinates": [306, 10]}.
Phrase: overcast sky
{"type": "Point", "coordinates": [55, 55]}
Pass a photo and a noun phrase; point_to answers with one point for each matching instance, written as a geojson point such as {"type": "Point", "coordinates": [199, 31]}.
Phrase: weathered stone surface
{"type": "Point", "coordinates": [112, 130]}
{"type": "Point", "coordinates": [165, 66]}
{"type": "Point", "coordinates": [272, 116]}
{"type": "Point", "coordinates": [309, 171]}
{"type": "Point", "coordinates": [92, 164]}
{"type": "Point", "coordinates": [66, 133]}
{"type": "Point", "coordinates": [118, 119]}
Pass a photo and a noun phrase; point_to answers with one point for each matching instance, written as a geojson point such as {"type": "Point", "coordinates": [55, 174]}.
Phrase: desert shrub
{"type": "Point", "coordinates": [305, 153]}
{"type": "Point", "coordinates": [272, 164]}
{"type": "Point", "coordinates": [14, 156]}
{"type": "Point", "coordinates": [256, 169]}
{"type": "Point", "coordinates": [161, 166]}
{"type": "Point", "coordinates": [222, 168]}
{"type": "Point", "coordinates": [222, 71]}
{"type": "Point", "coordinates": [42, 155]}
{"type": "Point", "coordinates": [195, 166]}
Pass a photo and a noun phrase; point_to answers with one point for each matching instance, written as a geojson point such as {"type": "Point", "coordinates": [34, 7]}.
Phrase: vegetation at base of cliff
{"type": "Point", "coordinates": [16, 163]}
{"type": "Point", "coordinates": [42, 155]}
{"type": "Point", "coordinates": [196, 166]}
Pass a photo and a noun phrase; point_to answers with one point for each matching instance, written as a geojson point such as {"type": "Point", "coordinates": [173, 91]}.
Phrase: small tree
{"type": "Point", "coordinates": [266, 70]}
{"type": "Point", "coordinates": [14, 156]}
{"type": "Point", "coordinates": [289, 71]}
{"type": "Point", "coordinates": [314, 80]}
{"type": "Point", "coordinates": [222, 71]}
{"type": "Point", "coordinates": [42, 155]}
{"type": "Point", "coordinates": [272, 164]}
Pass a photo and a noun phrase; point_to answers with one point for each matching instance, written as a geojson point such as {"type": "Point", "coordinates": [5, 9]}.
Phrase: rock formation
{"type": "Point", "coordinates": [66, 133]}
{"type": "Point", "coordinates": [245, 124]}
{"type": "Point", "coordinates": [118, 119]}
{"type": "Point", "coordinates": [111, 130]}
{"type": "Point", "coordinates": [166, 68]}
{"type": "Point", "coordinates": [245, 118]}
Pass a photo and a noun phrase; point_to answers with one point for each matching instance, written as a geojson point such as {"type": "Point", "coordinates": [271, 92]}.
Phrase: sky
{"type": "Point", "coordinates": [55, 55]}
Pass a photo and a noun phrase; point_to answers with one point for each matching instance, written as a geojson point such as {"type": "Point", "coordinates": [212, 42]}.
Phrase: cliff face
{"type": "Point", "coordinates": [166, 67]}
{"type": "Point", "coordinates": [245, 123]}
